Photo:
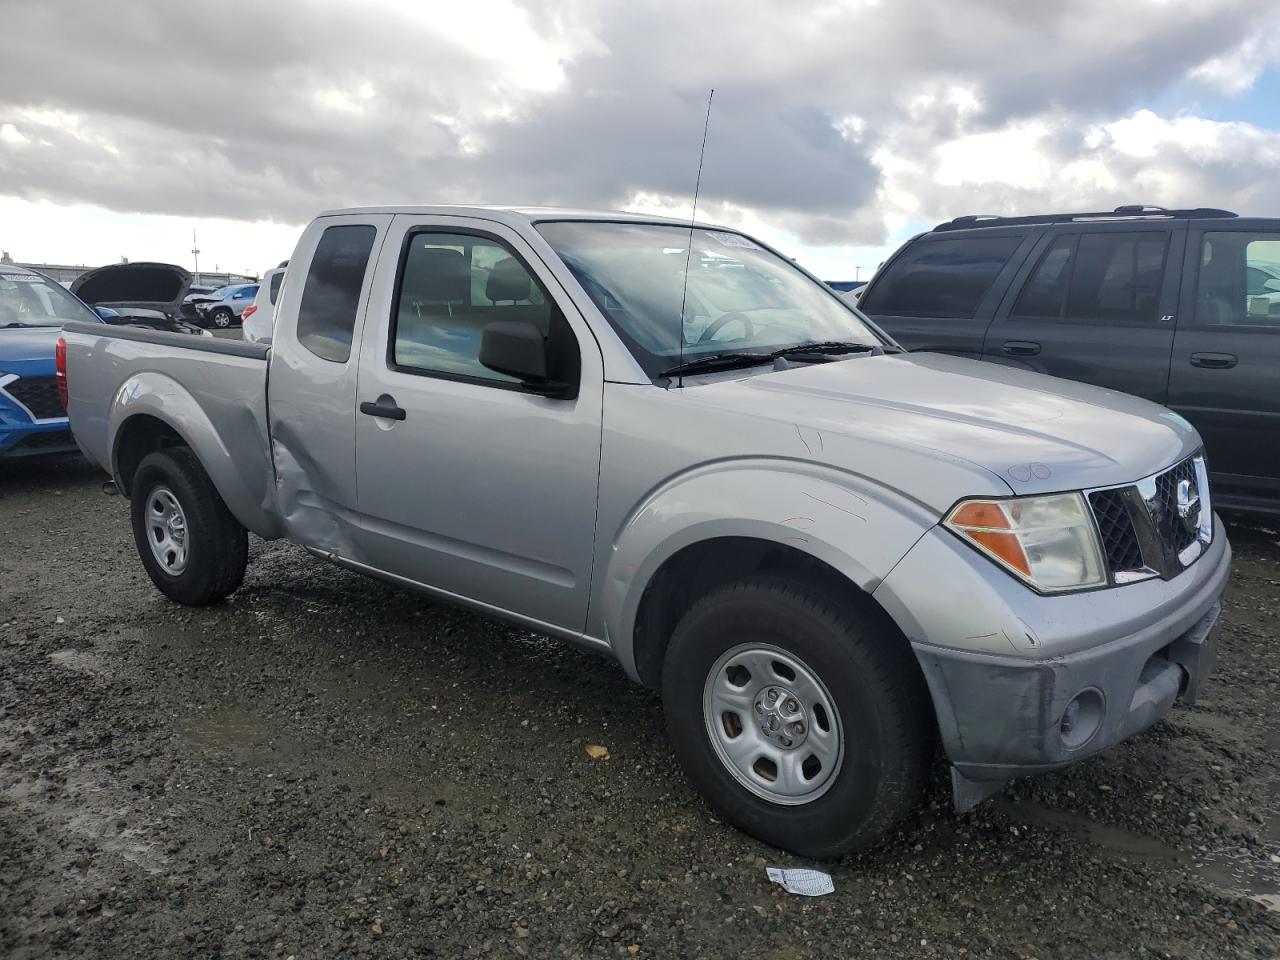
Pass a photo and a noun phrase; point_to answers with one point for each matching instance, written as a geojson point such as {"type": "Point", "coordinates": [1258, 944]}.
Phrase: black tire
{"type": "Point", "coordinates": [873, 679]}
{"type": "Point", "coordinates": [218, 546]}
{"type": "Point", "coordinates": [221, 318]}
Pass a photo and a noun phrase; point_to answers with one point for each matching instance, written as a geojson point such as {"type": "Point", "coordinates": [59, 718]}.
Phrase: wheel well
{"type": "Point", "coordinates": [140, 435]}
{"type": "Point", "coordinates": [701, 567]}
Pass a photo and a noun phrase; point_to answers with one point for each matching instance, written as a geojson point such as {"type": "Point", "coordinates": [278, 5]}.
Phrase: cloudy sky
{"type": "Point", "coordinates": [838, 129]}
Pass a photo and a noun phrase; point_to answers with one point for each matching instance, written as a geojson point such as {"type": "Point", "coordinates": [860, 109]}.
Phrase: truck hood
{"type": "Point", "coordinates": [1038, 434]}
{"type": "Point", "coordinates": [154, 286]}
{"type": "Point", "coordinates": [24, 347]}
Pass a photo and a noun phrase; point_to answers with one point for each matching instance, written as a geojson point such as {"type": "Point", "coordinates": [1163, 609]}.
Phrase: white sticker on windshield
{"type": "Point", "coordinates": [733, 240]}
{"type": "Point", "coordinates": [22, 277]}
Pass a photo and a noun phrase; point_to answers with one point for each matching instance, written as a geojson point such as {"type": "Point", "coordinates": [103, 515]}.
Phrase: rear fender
{"type": "Point", "coordinates": [234, 457]}
{"type": "Point", "coordinates": [848, 522]}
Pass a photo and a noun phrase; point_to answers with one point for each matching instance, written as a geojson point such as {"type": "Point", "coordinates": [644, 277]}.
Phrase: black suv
{"type": "Point", "coordinates": [1179, 306]}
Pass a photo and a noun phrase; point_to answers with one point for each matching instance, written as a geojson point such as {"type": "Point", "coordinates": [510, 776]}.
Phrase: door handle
{"type": "Point", "coordinates": [1021, 348]}
{"type": "Point", "coordinates": [384, 407]}
{"type": "Point", "coordinates": [1214, 361]}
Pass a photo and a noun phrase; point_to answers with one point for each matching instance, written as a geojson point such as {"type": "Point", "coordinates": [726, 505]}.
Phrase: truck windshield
{"type": "Point", "coordinates": [741, 297]}
{"type": "Point", "coordinates": [31, 300]}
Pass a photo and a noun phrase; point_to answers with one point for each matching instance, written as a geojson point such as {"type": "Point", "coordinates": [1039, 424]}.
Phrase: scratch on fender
{"type": "Point", "coordinates": [800, 434]}
{"type": "Point", "coordinates": [836, 507]}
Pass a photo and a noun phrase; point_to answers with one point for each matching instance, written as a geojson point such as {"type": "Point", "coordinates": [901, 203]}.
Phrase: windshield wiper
{"type": "Point", "coordinates": [17, 323]}
{"type": "Point", "coordinates": [716, 361]}
{"type": "Point", "coordinates": [818, 351]}
{"type": "Point", "coordinates": [827, 348]}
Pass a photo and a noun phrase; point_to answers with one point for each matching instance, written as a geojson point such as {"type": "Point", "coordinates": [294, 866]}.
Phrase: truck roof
{"type": "Point", "coordinates": [522, 214]}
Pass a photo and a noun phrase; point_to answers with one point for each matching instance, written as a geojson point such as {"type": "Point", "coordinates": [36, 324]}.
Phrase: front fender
{"type": "Point", "coordinates": [851, 524]}
{"type": "Point", "coordinates": [235, 456]}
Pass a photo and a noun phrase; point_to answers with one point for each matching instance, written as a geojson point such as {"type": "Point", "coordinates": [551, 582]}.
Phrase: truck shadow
{"type": "Point", "coordinates": [45, 473]}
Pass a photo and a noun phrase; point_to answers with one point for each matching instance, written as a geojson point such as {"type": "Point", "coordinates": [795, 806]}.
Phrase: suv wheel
{"type": "Point", "coordinates": [803, 719]}
{"type": "Point", "coordinates": [220, 318]}
{"type": "Point", "coordinates": [193, 549]}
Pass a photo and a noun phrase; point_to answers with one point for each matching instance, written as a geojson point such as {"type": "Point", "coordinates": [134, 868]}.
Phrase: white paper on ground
{"type": "Point", "coordinates": [806, 883]}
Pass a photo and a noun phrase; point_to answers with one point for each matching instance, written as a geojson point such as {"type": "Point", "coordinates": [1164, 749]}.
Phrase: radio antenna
{"type": "Point", "coordinates": [688, 253]}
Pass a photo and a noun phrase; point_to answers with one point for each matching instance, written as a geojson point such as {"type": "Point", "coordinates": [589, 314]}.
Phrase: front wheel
{"type": "Point", "coordinates": [802, 718]}
{"type": "Point", "coordinates": [193, 549]}
{"type": "Point", "coordinates": [220, 318]}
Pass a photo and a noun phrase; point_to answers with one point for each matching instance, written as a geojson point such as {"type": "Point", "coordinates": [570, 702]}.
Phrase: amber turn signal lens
{"type": "Point", "coordinates": [1049, 541]}
{"type": "Point", "coordinates": [980, 514]}
{"type": "Point", "coordinates": [987, 525]}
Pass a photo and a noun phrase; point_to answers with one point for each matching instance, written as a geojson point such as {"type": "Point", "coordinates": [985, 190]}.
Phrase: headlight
{"type": "Point", "coordinates": [1050, 542]}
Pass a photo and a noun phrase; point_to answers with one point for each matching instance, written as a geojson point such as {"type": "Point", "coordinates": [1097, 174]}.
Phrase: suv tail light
{"type": "Point", "coordinates": [60, 369]}
{"type": "Point", "coordinates": [249, 311]}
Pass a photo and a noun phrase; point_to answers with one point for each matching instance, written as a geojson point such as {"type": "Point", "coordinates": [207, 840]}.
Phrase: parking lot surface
{"type": "Point", "coordinates": [326, 766]}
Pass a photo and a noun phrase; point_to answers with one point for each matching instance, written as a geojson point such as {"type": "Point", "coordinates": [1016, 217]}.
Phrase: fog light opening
{"type": "Point", "coordinates": [1082, 719]}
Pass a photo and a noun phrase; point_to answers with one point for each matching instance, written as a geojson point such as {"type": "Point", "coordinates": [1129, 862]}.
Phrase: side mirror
{"type": "Point", "coordinates": [518, 349]}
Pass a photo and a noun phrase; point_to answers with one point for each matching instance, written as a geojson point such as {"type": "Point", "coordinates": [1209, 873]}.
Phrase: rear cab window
{"type": "Point", "coordinates": [942, 277]}
{"type": "Point", "coordinates": [331, 294]}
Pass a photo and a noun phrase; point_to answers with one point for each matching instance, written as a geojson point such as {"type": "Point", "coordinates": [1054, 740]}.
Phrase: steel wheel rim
{"type": "Point", "coordinates": [769, 691]}
{"type": "Point", "coordinates": [167, 533]}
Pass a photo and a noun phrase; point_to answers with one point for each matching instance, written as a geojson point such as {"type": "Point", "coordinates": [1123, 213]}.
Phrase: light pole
{"type": "Point", "coordinates": [856, 272]}
{"type": "Point", "coordinates": [195, 252]}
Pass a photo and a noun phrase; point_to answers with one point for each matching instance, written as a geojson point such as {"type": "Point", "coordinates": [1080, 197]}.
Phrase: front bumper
{"type": "Point", "coordinates": [27, 440]}
{"type": "Point", "coordinates": [1001, 692]}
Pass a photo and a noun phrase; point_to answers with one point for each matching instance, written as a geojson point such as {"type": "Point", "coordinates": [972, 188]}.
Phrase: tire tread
{"type": "Point", "coordinates": [885, 660]}
{"type": "Point", "coordinates": [223, 544]}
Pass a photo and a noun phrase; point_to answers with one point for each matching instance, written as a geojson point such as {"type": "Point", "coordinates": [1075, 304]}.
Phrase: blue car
{"type": "Point", "coordinates": [33, 309]}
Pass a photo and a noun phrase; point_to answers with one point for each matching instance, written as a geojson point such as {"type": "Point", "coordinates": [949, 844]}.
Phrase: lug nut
{"type": "Point", "coordinates": [797, 728]}
{"type": "Point", "coordinates": [792, 706]}
{"type": "Point", "coordinates": [760, 708]}
{"type": "Point", "coordinates": [773, 696]}
{"type": "Point", "coordinates": [786, 741]}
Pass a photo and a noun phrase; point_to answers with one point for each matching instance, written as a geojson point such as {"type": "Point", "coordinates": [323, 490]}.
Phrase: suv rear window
{"type": "Point", "coordinates": [1113, 277]}
{"type": "Point", "coordinates": [940, 278]}
{"type": "Point", "coordinates": [327, 313]}
{"type": "Point", "coordinates": [1239, 280]}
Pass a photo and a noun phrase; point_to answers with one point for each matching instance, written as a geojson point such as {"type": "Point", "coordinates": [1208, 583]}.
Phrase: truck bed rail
{"type": "Point", "coordinates": [235, 348]}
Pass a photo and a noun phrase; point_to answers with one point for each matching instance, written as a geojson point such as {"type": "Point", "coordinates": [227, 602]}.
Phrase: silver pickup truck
{"type": "Point", "coordinates": [676, 447]}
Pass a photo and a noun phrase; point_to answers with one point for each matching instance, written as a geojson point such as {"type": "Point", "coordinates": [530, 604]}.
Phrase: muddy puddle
{"type": "Point", "coordinates": [1236, 871]}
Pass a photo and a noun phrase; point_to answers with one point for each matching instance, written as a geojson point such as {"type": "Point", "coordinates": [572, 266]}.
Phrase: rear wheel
{"type": "Point", "coordinates": [193, 549]}
{"type": "Point", "coordinates": [802, 718]}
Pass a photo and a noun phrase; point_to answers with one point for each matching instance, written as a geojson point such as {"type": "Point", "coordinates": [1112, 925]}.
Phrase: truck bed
{"type": "Point", "coordinates": [212, 393]}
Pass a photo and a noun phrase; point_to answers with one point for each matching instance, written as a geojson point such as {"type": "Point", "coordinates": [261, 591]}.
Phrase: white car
{"type": "Point", "coordinates": [259, 317]}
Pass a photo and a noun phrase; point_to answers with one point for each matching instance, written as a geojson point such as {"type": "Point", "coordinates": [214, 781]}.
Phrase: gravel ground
{"type": "Point", "coordinates": [327, 767]}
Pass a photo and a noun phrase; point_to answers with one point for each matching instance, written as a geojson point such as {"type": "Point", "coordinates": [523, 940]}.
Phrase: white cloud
{"type": "Point", "coordinates": [837, 125]}
{"type": "Point", "coordinates": [1235, 71]}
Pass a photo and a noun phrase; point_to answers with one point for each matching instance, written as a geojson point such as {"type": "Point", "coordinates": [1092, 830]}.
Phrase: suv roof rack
{"type": "Point", "coordinates": [1133, 211]}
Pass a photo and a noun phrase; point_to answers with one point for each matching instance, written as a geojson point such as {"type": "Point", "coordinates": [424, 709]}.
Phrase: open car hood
{"type": "Point", "coordinates": [153, 286]}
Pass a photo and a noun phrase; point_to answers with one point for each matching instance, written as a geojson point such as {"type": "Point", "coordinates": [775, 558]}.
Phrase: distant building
{"type": "Point", "coordinates": [65, 274]}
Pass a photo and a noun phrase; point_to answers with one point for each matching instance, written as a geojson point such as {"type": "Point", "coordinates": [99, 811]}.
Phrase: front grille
{"type": "Point", "coordinates": [1145, 530]}
{"type": "Point", "coordinates": [1173, 531]}
{"type": "Point", "coordinates": [37, 394]}
{"type": "Point", "coordinates": [1115, 526]}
